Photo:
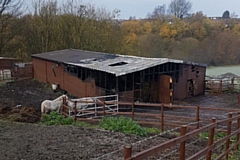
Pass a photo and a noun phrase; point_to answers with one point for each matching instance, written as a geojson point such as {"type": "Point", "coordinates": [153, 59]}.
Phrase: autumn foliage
{"type": "Point", "coordinates": [50, 26]}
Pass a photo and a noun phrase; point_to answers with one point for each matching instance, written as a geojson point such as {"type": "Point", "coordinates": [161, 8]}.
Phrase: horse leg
{"type": "Point", "coordinates": [42, 110]}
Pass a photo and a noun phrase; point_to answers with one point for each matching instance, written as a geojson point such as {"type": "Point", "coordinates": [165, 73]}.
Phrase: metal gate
{"type": "Point", "coordinates": [89, 107]}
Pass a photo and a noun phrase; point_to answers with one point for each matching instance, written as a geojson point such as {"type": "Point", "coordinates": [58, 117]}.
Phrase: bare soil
{"type": "Point", "coordinates": [24, 138]}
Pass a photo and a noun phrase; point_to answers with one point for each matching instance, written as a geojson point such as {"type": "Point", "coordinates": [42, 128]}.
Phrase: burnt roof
{"type": "Point", "coordinates": [110, 63]}
{"type": "Point", "coordinates": [72, 55]}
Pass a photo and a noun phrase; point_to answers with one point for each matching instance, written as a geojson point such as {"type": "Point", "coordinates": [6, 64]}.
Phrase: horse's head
{"type": "Point", "coordinates": [64, 96]}
{"type": "Point", "coordinates": [61, 98]}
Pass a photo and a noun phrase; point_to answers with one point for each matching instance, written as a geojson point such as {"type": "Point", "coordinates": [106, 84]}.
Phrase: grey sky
{"type": "Point", "coordinates": [140, 8]}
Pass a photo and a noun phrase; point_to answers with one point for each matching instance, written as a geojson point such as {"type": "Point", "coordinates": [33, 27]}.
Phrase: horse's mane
{"type": "Point", "coordinates": [60, 99]}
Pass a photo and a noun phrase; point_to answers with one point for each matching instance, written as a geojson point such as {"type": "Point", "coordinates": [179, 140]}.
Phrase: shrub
{"type": "Point", "coordinates": [153, 130]}
{"type": "Point", "coordinates": [55, 118]}
{"type": "Point", "coordinates": [122, 124]}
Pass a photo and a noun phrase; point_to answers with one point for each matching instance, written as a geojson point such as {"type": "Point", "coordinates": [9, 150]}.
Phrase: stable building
{"type": "Point", "coordinates": [88, 74]}
{"type": "Point", "coordinates": [6, 68]}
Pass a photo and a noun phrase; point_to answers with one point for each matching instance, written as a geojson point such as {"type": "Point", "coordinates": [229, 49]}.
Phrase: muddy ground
{"type": "Point", "coordinates": [24, 138]}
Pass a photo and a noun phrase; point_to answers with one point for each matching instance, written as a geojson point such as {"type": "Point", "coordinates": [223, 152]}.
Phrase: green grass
{"type": "Point", "coordinates": [55, 118]}
{"type": "Point", "coordinates": [235, 155]}
{"type": "Point", "coordinates": [122, 124]}
{"type": "Point", "coordinates": [217, 136]}
{"type": "Point", "coordinates": [152, 130]}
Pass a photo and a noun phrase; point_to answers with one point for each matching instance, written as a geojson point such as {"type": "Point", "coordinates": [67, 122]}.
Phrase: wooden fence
{"type": "Point", "coordinates": [184, 136]}
{"type": "Point", "coordinates": [196, 123]}
{"type": "Point", "coordinates": [23, 72]}
{"type": "Point", "coordinates": [217, 86]}
{"type": "Point", "coordinates": [159, 117]}
{"type": "Point", "coordinates": [17, 72]}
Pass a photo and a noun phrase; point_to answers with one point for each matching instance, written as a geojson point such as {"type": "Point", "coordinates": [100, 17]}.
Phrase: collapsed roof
{"type": "Point", "coordinates": [110, 63]}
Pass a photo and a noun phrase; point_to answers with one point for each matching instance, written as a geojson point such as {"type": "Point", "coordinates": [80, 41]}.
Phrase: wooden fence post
{"type": "Point", "coordinates": [104, 113]}
{"type": "Point", "coordinates": [133, 111]}
{"type": "Point", "coordinates": [162, 117]}
{"type": "Point", "coordinates": [127, 152]}
{"type": "Point", "coordinates": [197, 117]}
{"type": "Point", "coordinates": [229, 128]}
{"type": "Point", "coordinates": [62, 108]}
{"type": "Point", "coordinates": [75, 111]}
{"type": "Point", "coordinates": [220, 91]}
{"type": "Point", "coordinates": [182, 144]}
{"type": "Point", "coordinates": [238, 126]}
{"type": "Point", "coordinates": [232, 81]}
{"type": "Point", "coordinates": [210, 140]}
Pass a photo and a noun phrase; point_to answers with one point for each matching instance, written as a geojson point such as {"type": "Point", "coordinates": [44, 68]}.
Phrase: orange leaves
{"type": "Point", "coordinates": [167, 31]}
{"type": "Point", "coordinates": [131, 26]}
{"type": "Point", "coordinates": [130, 38]}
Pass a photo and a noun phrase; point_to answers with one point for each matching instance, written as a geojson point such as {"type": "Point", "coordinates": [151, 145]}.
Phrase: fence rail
{"type": "Point", "coordinates": [227, 121]}
{"type": "Point", "coordinates": [159, 116]}
{"type": "Point", "coordinates": [17, 73]}
{"type": "Point", "coordinates": [184, 136]}
{"type": "Point", "coordinates": [217, 86]}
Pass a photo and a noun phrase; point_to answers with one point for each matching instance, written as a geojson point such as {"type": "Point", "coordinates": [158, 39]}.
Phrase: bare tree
{"type": "Point", "coordinates": [10, 10]}
{"type": "Point", "coordinates": [180, 8]}
{"type": "Point", "coordinates": [158, 12]}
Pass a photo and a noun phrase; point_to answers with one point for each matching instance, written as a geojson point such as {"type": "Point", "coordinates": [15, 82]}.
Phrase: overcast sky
{"type": "Point", "coordinates": [140, 8]}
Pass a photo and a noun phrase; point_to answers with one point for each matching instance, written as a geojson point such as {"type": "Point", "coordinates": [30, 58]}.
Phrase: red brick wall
{"type": "Point", "coordinates": [199, 80]}
{"type": "Point", "coordinates": [6, 64]}
{"type": "Point", "coordinates": [78, 88]}
{"type": "Point", "coordinates": [44, 73]}
{"type": "Point", "coordinates": [187, 73]}
{"type": "Point", "coordinates": [39, 70]}
{"type": "Point", "coordinates": [180, 88]}
{"type": "Point", "coordinates": [51, 69]}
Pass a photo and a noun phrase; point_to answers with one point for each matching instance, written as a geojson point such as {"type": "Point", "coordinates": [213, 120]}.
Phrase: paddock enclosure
{"type": "Point", "coordinates": [184, 123]}
{"type": "Point", "coordinates": [58, 141]}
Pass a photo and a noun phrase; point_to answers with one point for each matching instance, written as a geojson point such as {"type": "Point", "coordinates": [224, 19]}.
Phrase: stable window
{"type": "Point", "coordinates": [71, 69]}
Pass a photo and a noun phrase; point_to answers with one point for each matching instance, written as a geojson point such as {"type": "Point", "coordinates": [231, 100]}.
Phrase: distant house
{"type": "Point", "coordinates": [86, 73]}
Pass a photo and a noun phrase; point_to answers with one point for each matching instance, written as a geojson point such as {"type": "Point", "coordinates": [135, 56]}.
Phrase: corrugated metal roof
{"type": "Point", "coordinates": [115, 64]}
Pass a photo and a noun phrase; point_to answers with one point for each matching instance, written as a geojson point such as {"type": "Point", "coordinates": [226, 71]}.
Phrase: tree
{"type": "Point", "coordinates": [158, 12]}
{"type": "Point", "coordinates": [226, 15]}
{"type": "Point", "coordinates": [234, 15]}
{"type": "Point", "coordinates": [10, 10]}
{"type": "Point", "coordinates": [180, 8]}
{"type": "Point", "coordinates": [196, 17]}
{"type": "Point", "coordinates": [151, 45]}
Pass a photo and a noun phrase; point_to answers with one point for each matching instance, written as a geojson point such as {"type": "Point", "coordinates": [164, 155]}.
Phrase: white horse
{"type": "Point", "coordinates": [81, 103]}
{"type": "Point", "coordinates": [52, 105]}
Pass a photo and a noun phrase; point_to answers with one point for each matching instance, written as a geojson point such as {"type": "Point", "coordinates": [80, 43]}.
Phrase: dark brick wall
{"type": "Point", "coordinates": [6, 64]}
{"type": "Point", "coordinates": [187, 73]}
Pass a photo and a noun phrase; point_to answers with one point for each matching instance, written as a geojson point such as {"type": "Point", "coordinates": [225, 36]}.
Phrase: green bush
{"type": "Point", "coordinates": [55, 118]}
{"type": "Point", "coordinates": [122, 124]}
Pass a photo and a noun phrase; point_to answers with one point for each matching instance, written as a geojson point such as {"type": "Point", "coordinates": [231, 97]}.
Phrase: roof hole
{"type": "Point", "coordinates": [118, 64]}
